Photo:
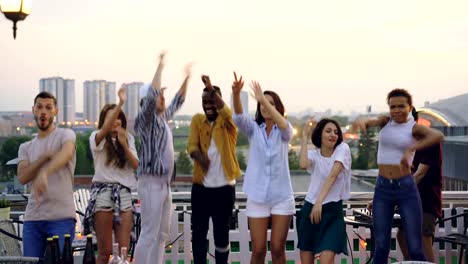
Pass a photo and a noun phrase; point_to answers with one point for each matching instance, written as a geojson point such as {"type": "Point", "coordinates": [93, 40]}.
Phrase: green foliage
{"type": "Point", "coordinates": [367, 152]}
{"type": "Point", "coordinates": [84, 157]}
{"type": "Point", "coordinates": [8, 151]}
{"type": "Point", "coordinates": [182, 130]}
{"type": "Point", "coordinates": [241, 160]}
{"type": "Point", "coordinates": [180, 144]}
{"type": "Point", "coordinates": [137, 143]}
{"type": "Point", "coordinates": [4, 203]}
{"type": "Point", "coordinates": [242, 139]}
{"type": "Point", "coordinates": [342, 120]}
{"type": "Point", "coordinates": [293, 159]}
{"type": "Point", "coordinates": [180, 138]}
{"type": "Point", "coordinates": [184, 163]}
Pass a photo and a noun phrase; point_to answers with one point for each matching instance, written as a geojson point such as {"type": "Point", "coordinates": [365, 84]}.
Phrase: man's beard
{"type": "Point", "coordinates": [47, 124]}
{"type": "Point", "coordinates": [211, 117]}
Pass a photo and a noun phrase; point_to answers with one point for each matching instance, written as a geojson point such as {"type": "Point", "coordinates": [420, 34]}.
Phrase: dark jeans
{"type": "Point", "coordinates": [404, 194]}
{"type": "Point", "coordinates": [35, 234]}
{"type": "Point", "coordinates": [216, 203]}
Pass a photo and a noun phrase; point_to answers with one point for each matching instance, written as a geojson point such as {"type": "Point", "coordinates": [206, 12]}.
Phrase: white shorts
{"type": "Point", "coordinates": [259, 210]}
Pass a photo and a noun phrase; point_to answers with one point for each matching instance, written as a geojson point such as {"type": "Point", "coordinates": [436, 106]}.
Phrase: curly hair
{"type": "Point", "coordinates": [400, 92]}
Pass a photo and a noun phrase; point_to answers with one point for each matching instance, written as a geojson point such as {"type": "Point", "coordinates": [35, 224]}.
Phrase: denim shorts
{"type": "Point", "coordinates": [104, 201]}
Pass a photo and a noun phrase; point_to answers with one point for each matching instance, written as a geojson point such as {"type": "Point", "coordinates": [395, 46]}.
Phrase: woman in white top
{"type": "Point", "coordinates": [115, 159]}
{"type": "Point", "coordinates": [321, 228]}
{"type": "Point", "coordinates": [267, 182]}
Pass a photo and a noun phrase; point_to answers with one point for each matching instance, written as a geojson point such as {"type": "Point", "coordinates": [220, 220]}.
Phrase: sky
{"type": "Point", "coordinates": [339, 55]}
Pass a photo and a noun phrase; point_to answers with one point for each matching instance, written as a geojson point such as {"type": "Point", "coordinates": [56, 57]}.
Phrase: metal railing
{"type": "Point", "coordinates": [179, 245]}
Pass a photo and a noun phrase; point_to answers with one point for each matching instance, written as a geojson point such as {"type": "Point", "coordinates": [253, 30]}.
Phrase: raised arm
{"type": "Point", "coordinates": [188, 74]}
{"type": "Point", "coordinates": [236, 89]}
{"type": "Point", "coordinates": [219, 102]}
{"type": "Point", "coordinates": [128, 144]}
{"type": "Point", "coordinates": [223, 110]}
{"type": "Point", "coordinates": [145, 117]}
{"type": "Point", "coordinates": [112, 115]}
{"type": "Point", "coordinates": [279, 119]}
{"type": "Point", "coordinates": [304, 161]}
{"type": "Point", "coordinates": [156, 83]}
{"type": "Point", "coordinates": [362, 124]}
{"type": "Point", "coordinates": [179, 98]}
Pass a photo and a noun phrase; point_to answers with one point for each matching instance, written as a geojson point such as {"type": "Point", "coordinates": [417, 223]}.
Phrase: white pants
{"type": "Point", "coordinates": [156, 204]}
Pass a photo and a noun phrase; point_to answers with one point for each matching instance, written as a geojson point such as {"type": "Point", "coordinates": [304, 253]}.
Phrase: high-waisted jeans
{"type": "Point", "coordinates": [403, 193]}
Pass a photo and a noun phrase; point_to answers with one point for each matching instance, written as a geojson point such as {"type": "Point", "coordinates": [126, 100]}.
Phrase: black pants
{"type": "Point", "coordinates": [218, 204]}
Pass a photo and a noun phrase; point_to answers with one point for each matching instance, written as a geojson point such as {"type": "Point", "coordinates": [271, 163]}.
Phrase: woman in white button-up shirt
{"type": "Point", "coordinates": [267, 182]}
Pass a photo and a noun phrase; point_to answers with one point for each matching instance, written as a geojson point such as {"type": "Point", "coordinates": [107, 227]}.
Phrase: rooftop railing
{"type": "Point", "coordinates": [359, 238]}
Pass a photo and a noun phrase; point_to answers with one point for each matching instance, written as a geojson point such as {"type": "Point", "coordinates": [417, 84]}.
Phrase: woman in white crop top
{"type": "Point", "coordinates": [115, 159]}
{"type": "Point", "coordinates": [399, 138]}
{"type": "Point", "coordinates": [321, 228]}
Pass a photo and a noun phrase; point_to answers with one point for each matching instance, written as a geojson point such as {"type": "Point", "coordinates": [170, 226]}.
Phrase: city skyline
{"type": "Point", "coordinates": [321, 55]}
{"type": "Point", "coordinates": [96, 94]}
{"type": "Point", "coordinates": [105, 92]}
{"type": "Point", "coordinates": [64, 91]}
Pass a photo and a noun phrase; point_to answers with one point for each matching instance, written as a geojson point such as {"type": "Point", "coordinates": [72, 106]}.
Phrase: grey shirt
{"type": "Point", "coordinates": [57, 203]}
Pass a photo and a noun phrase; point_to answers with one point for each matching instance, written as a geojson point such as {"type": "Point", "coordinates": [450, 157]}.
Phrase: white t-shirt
{"type": "Point", "coordinates": [320, 169]}
{"type": "Point", "coordinates": [111, 174]}
{"type": "Point", "coordinates": [215, 176]}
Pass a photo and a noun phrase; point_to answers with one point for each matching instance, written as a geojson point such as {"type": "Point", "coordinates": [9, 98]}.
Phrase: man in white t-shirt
{"type": "Point", "coordinates": [47, 162]}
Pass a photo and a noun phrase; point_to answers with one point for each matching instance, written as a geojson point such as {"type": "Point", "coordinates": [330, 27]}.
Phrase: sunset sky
{"type": "Point", "coordinates": [341, 55]}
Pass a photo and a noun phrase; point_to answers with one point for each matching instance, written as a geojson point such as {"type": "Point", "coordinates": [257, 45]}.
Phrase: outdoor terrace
{"type": "Point", "coordinates": [359, 237]}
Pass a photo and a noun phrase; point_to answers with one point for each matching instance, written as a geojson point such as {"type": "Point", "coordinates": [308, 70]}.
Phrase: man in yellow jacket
{"type": "Point", "coordinates": [212, 145]}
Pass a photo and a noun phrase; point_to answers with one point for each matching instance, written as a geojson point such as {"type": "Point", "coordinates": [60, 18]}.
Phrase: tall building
{"type": "Point", "coordinates": [132, 104]}
{"type": "Point", "coordinates": [64, 92]}
{"type": "Point", "coordinates": [244, 96]}
{"type": "Point", "coordinates": [110, 93]}
{"type": "Point", "coordinates": [91, 100]}
{"type": "Point", "coordinates": [96, 94]}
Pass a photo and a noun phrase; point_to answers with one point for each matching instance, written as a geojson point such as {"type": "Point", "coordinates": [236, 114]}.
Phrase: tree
{"type": "Point", "coordinates": [342, 120]}
{"type": "Point", "coordinates": [242, 140]}
{"type": "Point", "coordinates": [183, 163]}
{"type": "Point", "coordinates": [293, 160]}
{"type": "Point", "coordinates": [367, 152]}
{"type": "Point", "coordinates": [8, 151]}
{"type": "Point", "coordinates": [241, 160]}
{"type": "Point", "coordinates": [84, 157]}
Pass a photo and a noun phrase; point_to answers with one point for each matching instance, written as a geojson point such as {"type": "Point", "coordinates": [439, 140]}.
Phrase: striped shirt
{"type": "Point", "coordinates": [150, 126]}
